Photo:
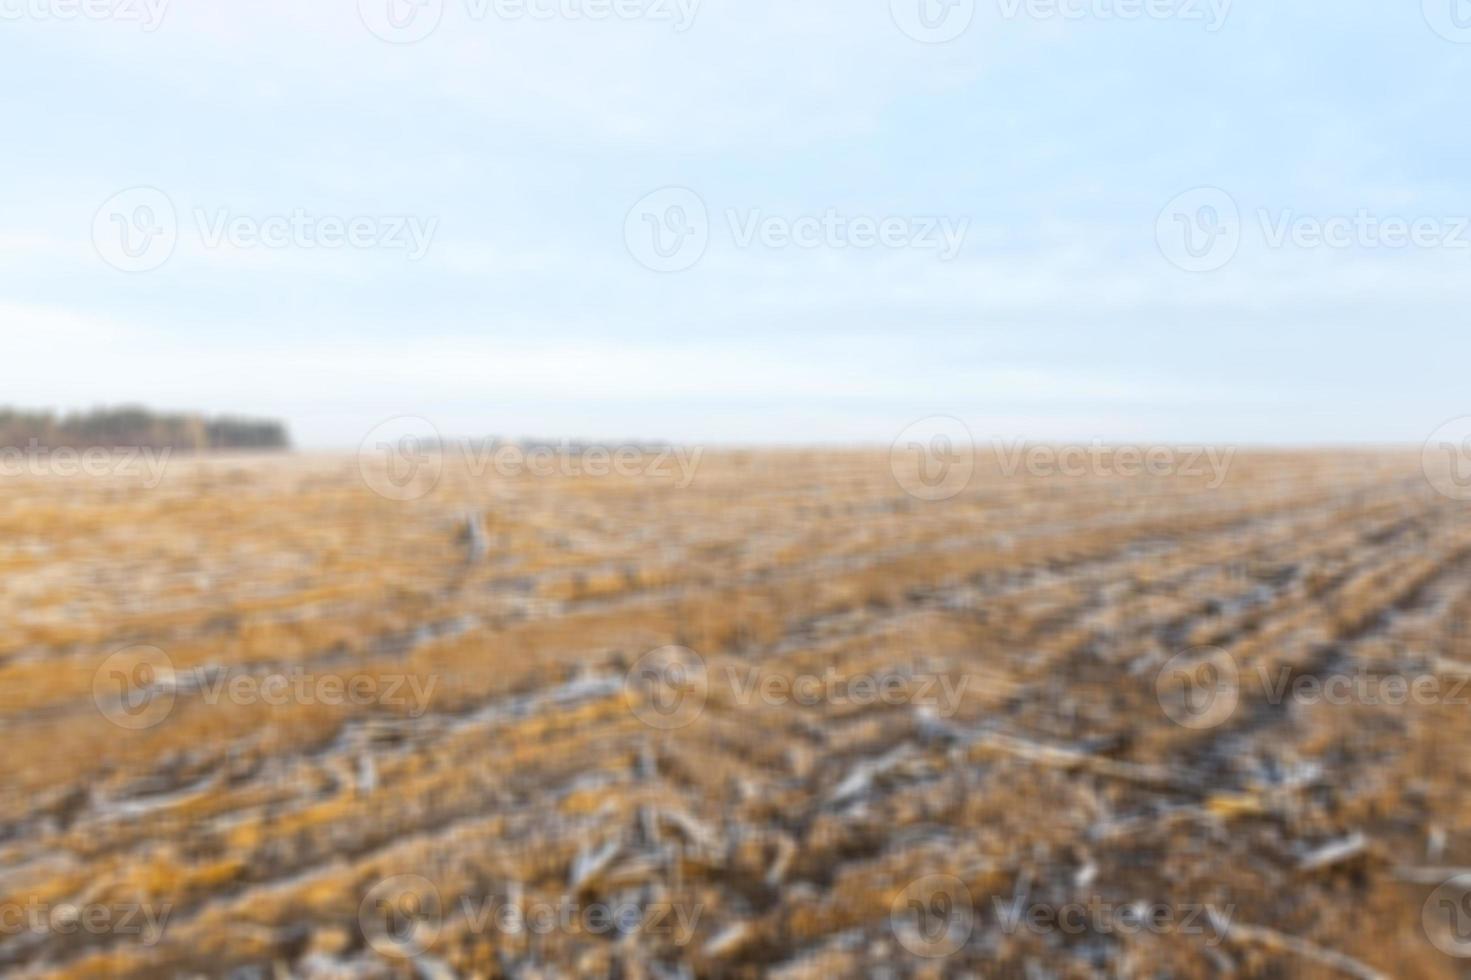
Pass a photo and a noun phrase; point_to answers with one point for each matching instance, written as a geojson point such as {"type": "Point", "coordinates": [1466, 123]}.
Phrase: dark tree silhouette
{"type": "Point", "coordinates": [132, 426]}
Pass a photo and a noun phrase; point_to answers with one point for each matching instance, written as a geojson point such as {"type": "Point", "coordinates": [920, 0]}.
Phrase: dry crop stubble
{"type": "Point", "coordinates": [515, 762]}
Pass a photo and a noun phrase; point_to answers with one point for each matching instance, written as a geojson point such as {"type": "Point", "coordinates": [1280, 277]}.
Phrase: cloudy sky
{"type": "Point", "coordinates": [743, 220]}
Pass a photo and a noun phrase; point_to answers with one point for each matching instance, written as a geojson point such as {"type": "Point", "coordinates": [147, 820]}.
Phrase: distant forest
{"type": "Point", "coordinates": [128, 427]}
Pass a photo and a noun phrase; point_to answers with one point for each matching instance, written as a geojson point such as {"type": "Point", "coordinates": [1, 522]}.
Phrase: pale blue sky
{"type": "Point", "coordinates": [526, 142]}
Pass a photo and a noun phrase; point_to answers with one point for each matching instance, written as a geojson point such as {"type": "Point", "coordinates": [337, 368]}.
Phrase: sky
{"type": "Point", "coordinates": [743, 221]}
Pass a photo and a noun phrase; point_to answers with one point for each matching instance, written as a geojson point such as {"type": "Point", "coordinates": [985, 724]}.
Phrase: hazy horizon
{"type": "Point", "coordinates": [981, 438]}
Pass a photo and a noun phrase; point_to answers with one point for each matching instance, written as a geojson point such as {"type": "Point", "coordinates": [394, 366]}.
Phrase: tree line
{"type": "Point", "coordinates": [131, 426]}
